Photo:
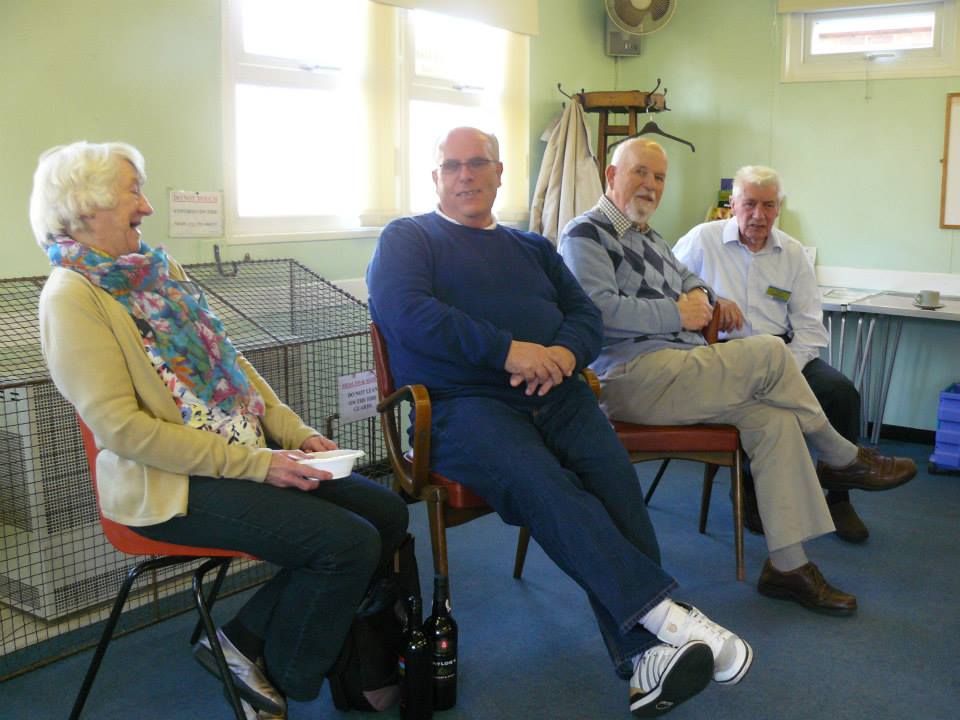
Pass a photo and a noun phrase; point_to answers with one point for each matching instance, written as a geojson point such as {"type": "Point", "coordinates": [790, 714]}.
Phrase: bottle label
{"type": "Point", "coordinates": [444, 665]}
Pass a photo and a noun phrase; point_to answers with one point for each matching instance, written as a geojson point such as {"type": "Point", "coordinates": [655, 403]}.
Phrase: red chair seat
{"type": "Point", "coordinates": [677, 438]}
{"type": "Point", "coordinates": [126, 540]}
{"type": "Point", "coordinates": [159, 554]}
{"type": "Point", "coordinates": [458, 496]}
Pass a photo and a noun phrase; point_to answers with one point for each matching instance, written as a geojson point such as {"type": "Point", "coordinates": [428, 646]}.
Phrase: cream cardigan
{"type": "Point", "coordinates": [97, 361]}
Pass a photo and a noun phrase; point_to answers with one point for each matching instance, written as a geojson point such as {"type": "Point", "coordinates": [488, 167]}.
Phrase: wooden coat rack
{"type": "Point", "coordinates": [623, 102]}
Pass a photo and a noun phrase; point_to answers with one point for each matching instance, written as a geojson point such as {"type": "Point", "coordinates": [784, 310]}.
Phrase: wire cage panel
{"type": "Point", "coordinates": [40, 456]}
{"type": "Point", "coordinates": [58, 573]}
{"type": "Point", "coordinates": [53, 575]}
{"type": "Point", "coordinates": [324, 330]}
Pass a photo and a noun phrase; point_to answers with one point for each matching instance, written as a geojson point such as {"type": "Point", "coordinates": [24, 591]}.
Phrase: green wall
{"type": "Point", "coordinates": [860, 159]}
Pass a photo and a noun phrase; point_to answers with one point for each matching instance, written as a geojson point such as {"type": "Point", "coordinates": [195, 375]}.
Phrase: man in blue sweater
{"type": "Point", "coordinates": [490, 320]}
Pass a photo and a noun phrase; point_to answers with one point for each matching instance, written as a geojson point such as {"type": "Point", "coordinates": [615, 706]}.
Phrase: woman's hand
{"type": "Point", "coordinates": [285, 471]}
{"type": "Point", "coordinates": [317, 443]}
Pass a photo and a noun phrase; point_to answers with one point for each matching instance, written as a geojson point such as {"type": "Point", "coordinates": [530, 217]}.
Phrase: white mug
{"type": "Point", "coordinates": [928, 298]}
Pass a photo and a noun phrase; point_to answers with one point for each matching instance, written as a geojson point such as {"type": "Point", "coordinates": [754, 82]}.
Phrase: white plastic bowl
{"type": "Point", "coordinates": [338, 463]}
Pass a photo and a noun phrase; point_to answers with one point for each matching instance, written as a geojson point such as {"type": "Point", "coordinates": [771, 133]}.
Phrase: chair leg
{"type": "Point", "coordinates": [656, 481]}
{"type": "Point", "coordinates": [523, 541]}
{"type": "Point", "coordinates": [438, 536]}
{"type": "Point", "coordinates": [111, 625]}
{"type": "Point", "coordinates": [212, 595]}
{"type": "Point", "coordinates": [204, 611]}
{"type": "Point", "coordinates": [709, 473]}
{"type": "Point", "coordinates": [736, 478]}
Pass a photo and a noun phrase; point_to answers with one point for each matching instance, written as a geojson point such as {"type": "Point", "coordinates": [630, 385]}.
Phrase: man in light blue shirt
{"type": "Point", "coordinates": [767, 286]}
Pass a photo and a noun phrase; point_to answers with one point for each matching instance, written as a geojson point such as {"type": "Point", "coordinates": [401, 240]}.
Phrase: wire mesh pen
{"type": "Point", "coordinates": [57, 571]}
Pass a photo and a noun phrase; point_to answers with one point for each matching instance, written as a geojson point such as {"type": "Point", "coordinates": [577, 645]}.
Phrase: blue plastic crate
{"type": "Point", "coordinates": [946, 452]}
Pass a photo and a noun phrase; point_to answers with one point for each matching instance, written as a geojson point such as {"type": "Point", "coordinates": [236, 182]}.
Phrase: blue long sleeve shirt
{"type": "Point", "coordinates": [449, 300]}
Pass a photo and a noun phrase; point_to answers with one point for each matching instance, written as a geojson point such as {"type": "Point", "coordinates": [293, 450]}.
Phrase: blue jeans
{"type": "Point", "coordinates": [560, 471]}
{"type": "Point", "coordinates": [329, 542]}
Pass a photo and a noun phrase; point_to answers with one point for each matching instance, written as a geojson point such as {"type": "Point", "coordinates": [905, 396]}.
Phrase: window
{"type": "Point", "coordinates": [332, 109]}
{"type": "Point", "coordinates": [893, 40]}
{"type": "Point", "coordinates": [873, 33]}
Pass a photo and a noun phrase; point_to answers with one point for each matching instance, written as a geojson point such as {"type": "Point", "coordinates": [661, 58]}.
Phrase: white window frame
{"type": "Point", "coordinates": [798, 65]}
{"type": "Point", "coordinates": [418, 87]}
{"type": "Point", "coordinates": [239, 67]}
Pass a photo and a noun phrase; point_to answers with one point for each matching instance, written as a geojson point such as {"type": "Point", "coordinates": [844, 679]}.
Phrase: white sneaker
{"type": "Point", "coordinates": [665, 676]}
{"type": "Point", "coordinates": [251, 713]}
{"type": "Point", "coordinates": [248, 677]}
{"type": "Point", "coordinates": [732, 656]}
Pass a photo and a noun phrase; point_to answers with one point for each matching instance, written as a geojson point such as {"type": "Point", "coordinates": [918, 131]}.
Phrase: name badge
{"type": "Point", "coordinates": [778, 294]}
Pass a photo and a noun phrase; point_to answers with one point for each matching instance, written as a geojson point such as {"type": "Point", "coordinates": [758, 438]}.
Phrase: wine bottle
{"type": "Point", "coordinates": [441, 631]}
{"type": "Point", "coordinates": [416, 668]}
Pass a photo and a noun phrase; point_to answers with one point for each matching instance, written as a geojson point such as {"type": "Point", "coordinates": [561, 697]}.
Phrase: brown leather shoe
{"type": "Point", "coordinates": [807, 586]}
{"type": "Point", "coordinates": [849, 525]}
{"type": "Point", "coordinates": [870, 471]}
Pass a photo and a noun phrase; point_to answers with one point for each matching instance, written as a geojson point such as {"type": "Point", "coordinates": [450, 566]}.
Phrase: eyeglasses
{"type": "Point", "coordinates": [453, 167]}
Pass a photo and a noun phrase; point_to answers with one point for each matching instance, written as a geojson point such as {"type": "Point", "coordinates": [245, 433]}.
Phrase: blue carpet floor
{"type": "Point", "coordinates": [530, 649]}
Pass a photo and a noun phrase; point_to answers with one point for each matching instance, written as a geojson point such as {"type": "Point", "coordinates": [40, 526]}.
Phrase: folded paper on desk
{"type": "Point", "coordinates": [845, 296]}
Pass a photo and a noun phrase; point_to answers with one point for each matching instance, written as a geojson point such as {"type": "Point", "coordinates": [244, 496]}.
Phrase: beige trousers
{"type": "Point", "coordinates": [755, 385]}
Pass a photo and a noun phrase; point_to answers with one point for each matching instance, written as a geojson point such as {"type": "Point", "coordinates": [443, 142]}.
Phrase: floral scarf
{"type": "Point", "coordinates": [189, 336]}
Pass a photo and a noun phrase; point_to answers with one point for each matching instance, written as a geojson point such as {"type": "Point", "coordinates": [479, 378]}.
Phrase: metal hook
{"type": "Point", "coordinates": [569, 97]}
{"type": "Point", "coordinates": [651, 103]}
{"type": "Point", "coordinates": [216, 258]}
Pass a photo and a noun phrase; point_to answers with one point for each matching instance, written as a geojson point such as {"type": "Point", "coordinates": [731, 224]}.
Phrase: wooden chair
{"type": "Point", "coordinates": [448, 502]}
{"type": "Point", "coordinates": [161, 555]}
{"type": "Point", "coordinates": [713, 444]}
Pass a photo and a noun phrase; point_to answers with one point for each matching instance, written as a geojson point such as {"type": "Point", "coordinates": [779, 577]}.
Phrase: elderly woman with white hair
{"type": "Point", "coordinates": [183, 422]}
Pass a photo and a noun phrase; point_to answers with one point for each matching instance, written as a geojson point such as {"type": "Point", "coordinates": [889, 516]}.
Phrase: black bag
{"type": "Point", "coordinates": [365, 676]}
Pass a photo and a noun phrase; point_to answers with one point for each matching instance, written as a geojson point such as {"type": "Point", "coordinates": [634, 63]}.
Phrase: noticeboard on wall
{"type": "Point", "coordinates": [950, 181]}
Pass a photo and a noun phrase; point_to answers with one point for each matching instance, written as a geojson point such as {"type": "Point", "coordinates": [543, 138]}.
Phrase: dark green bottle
{"type": "Point", "coordinates": [416, 668]}
{"type": "Point", "coordinates": [441, 631]}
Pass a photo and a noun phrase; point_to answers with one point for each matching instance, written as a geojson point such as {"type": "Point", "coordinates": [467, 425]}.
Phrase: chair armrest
{"type": "Point", "coordinates": [712, 330]}
{"type": "Point", "coordinates": [591, 379]}
{"type": "Point", "coordinates": [412, 474]}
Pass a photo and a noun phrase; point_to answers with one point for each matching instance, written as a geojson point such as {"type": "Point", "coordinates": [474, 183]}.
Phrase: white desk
{"type": "Point", "coordinates": [890, 308]}
{"type": "Point", "coordinates": [838, 299]}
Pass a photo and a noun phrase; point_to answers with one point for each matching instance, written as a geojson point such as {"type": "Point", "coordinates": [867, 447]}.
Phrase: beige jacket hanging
{"type": "Point", "coordinates": [569, 179]}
